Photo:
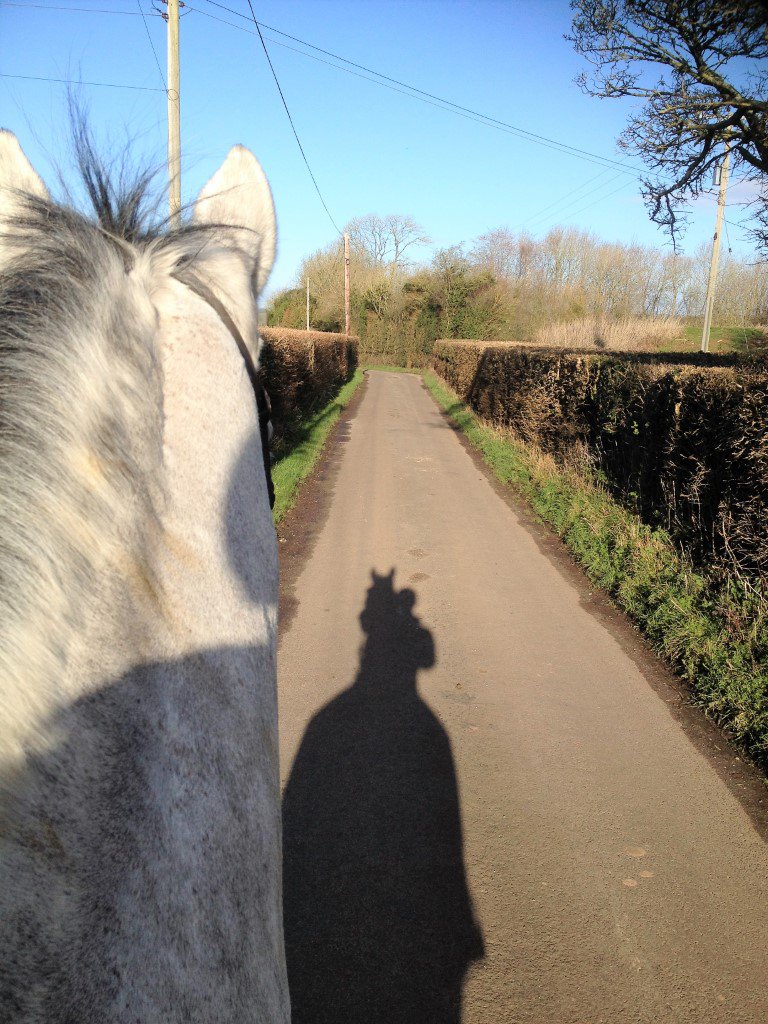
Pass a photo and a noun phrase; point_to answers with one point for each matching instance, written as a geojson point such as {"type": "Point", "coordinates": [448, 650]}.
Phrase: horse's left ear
{"type": "Point", "coordinates": [17, 176]}
{"type": "Point", "coordinates": [238, 196]}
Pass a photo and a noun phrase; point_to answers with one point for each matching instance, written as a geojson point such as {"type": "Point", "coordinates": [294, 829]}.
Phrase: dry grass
{"type": "Point", "coordinates": [628, 334]}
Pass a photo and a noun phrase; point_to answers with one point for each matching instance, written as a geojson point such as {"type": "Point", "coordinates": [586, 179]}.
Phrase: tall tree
{"type": "Point", "coordinates": [385, 240]}
{"type": "Point", "coordinates": [712, 90]}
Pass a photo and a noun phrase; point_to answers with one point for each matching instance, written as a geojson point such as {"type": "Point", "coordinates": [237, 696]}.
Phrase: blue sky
{"type": "Point", "coordinates": [371, 149]}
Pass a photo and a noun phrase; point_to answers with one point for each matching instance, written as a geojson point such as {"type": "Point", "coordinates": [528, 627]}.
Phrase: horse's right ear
{"type": "Point", "coordinates": [17, 177]}
{"type": "Point", "coordinates": [238, 196]}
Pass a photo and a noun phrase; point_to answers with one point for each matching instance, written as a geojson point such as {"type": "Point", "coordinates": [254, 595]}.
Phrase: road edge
{"type": "Point", "coordinates": [300, 526]}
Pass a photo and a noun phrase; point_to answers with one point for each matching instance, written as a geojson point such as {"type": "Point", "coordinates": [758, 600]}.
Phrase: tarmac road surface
{"type": "Point", "coordinates": [497, 807]}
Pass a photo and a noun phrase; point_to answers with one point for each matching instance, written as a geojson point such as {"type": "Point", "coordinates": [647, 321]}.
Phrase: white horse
{"type": "Point", "coordinates": [140, 876]}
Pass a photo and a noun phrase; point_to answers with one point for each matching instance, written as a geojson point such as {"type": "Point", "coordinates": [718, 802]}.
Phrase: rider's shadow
{"type": "Point", "coordinates": [378, 917]}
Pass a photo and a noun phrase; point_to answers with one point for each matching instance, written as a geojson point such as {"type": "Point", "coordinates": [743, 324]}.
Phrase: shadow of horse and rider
{"type": "Point", "coordinates": [379, 923]}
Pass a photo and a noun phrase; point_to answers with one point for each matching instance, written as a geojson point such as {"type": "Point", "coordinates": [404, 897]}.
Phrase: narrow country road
{"type": "Point", "coordinates": [496, 808]}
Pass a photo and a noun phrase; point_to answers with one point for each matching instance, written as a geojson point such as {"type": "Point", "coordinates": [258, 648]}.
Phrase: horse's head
{"type": "Point", "coordinates": [132, 447]}
{"type": "Point", "coordinates": [226, 247]}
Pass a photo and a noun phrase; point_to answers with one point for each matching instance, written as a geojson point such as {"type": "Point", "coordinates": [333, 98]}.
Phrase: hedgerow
{"type": "Point", "coordinates": [302, 371]}
{"type": "Point", "coordinates": [680, 440]}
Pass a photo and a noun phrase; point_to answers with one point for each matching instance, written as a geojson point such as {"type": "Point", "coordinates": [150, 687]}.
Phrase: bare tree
{"type": "Point", "coordinates": [368, 239]}
{"type": "Point", "coordinates": [713, 89]}
{"type": "Point", "coordinates": [403, 233]}
{"type": "Point", "coordinates": [500, 252]}
{"type": "Point", "coordinates": [385, 240]}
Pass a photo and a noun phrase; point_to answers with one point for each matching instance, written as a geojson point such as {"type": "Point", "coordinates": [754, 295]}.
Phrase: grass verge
{"type": "Point", "coordinates": [306, 444]}
{"type": "Point", "coordinates": [714, 635]}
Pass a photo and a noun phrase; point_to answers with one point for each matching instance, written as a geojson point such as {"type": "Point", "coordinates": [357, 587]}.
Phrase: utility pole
{"type": "Point", "coordinates": [346, 284]}
{"type": "Point", "coordinates": [174, 115]}
{"type": "Point", "coordinates": [307, 303]}
{"type": "Point", "coordinates": [709, 306]}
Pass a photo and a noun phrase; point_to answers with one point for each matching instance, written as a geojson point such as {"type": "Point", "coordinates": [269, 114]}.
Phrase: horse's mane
{"type": "Point", "coordinates": [80, 423]}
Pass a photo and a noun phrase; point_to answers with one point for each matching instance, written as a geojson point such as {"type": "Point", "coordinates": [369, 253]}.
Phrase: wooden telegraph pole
{"type": "Point", "coordinates": [174, 115]}
{"type": "Point", "coordinates": [709, 305]}
{"type": "Point", "coordinates": [307, 303]}
{"type": "Point", "coordinates": [346, 284]}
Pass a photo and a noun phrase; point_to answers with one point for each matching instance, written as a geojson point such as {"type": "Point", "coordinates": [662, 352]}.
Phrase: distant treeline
{"type": "Point", "coordinates": [504, 285]}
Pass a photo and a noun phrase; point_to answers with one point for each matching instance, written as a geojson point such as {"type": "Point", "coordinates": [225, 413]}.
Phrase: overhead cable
{"type": "Point", "coordinates": [152, 45]}
{"type": "Point", "coordinates": [77, 81]}
{"type": "Point", "coordinates": [426, 96]}
{"type": "Point", "coordinates": [600, 199]}
{"type": "Point", "coordinates": [83, 10]}
{"type": "Point", "coordinates": [557, 202]}
{"type": "Point", "coordinates": [293, 126]}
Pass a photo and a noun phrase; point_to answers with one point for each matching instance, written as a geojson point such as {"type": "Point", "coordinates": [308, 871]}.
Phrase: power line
{"type": "Point", "coordinates": [293, 126]}
{"type": "Point", "coordinates": [414, 92]}
{"type": "Point", "coordinates": [728, 237]}
{"type": "Point", "coordinates": [162, 77]}
{"type": "Point", "coordinates": [258, 26]}
{"type": "Point", "coordinates": [579, 199]}
{"type": "Point", "coordinates": [556, 147]}
{"type": "Point", "coordinates": [745, 232]}
{"type": "Point", "coordinates": [601, 199]}
{"type": "Point", "coordinates": [438, 100]}
{"type": "Point", "coordinates": [479, 119]}
{"type": "Point", "coordinates": [580, 188]}
{"type": "Point", "coordinates": [84, 10]}
{"type": "Point", "coordinates": [75, 81]}
{"type": "Point", "coordinates": [154, 52]}
{"type": "Point", "coordinates": [532, 136]}
{"type": "Point", "coordinates": [380, 79]}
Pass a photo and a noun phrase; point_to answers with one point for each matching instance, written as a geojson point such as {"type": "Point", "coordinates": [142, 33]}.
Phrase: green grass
{"type": "Point", "coordinates": [308, 442]}
{"type": "Point", "coordinates": [721, 339]}
{"type": "Point", "coordinates": [716, 636]}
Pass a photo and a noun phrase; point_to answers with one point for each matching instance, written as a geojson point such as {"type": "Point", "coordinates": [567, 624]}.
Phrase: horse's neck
{"type": "Point", "coordinates": [216, 554]}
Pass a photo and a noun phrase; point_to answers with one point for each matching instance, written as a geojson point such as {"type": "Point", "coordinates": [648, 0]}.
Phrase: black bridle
{"type": "Point", "coordinates": [263, 404]}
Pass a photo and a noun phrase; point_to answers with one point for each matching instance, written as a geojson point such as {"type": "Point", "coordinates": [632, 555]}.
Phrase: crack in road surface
{"type": "Point", "coordinates": [495, 807]}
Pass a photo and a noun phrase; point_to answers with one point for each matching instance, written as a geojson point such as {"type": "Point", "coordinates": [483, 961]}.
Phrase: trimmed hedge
{"type": "Point", "coordinates": [680, 440]}
{"type": "Point", "coordinates": [302, 371]}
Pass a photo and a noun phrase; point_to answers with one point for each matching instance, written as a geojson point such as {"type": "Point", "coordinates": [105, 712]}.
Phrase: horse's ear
{"type": "Point", "coordinates": [17, 176]}
{"type": "Point", "coordinates": [238, 196]}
